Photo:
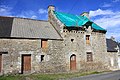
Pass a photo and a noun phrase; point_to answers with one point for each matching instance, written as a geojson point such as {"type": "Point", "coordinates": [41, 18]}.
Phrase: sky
{"type": "Point", "coordinates": [106, 13]}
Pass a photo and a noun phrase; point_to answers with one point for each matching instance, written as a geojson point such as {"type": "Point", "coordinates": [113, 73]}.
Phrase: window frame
{"type": "Point", "coordinates": [44, 43]}
{"type": "Point", "coordinates": [87, 39]}
{"type": "Point", "coordinates": [89, 56]}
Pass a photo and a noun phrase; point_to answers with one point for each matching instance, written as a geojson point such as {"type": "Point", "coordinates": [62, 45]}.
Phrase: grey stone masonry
{"type": "Point", "coordinates": [75, 43]}
{"type": "Point", "coordinates": [79, 47]}
{"type": "Point", "coordinates": [14, 48]}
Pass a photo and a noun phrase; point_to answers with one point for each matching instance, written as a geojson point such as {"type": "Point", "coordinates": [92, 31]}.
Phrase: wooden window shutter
{"type": "Point", "coordinates": [87, 39]}
{"type": "Point", "coordinates": [44, 43]}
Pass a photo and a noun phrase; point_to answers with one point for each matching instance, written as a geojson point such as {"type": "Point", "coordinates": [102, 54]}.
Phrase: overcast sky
{"type": "Point", "coordinates": [106, 13]}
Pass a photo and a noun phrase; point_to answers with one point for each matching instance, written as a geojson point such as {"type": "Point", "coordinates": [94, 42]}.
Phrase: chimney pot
{"type": "Point", "coordinates": [51, 8]}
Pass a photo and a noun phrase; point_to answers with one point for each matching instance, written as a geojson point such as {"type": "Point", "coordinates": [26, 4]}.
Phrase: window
{"type": "Point", "coordinates": [89, 57]}
{"type": "Point", "coordinates": [87, 39]}
{"type": "Point", "coordinates": [44, 43]}
{"type": "Point", "coordinates": [72, 40]}
{"type": "Point", "coordinates": [42, 58]}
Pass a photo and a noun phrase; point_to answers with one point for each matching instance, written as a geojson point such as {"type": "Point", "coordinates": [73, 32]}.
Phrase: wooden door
{"type": "Point", "coordinates": [73, 62]}
{"type": "Point", "coordinates": [0, 62]}
{"type": "Point", "coordinates": [26, 63]}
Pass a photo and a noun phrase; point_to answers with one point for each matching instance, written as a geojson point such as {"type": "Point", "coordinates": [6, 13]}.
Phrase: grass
{"type": "Point", "coordinates": [45, 76]}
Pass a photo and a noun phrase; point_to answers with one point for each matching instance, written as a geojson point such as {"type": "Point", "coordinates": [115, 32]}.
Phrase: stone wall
{"type": "Point", "coordinates": [99, 48]}
{"type": "Point", "coordinates": [57, 55]}
{"type": "Point", "coordinates": [79, 47]}
{"type": "Point", "coordinates": [113, 60]}
{"type": "Point", "coordinates": [76, 46]}
{"type": "Point", "coordinates": [15, 47]}
{"type": "Point", "coordinates": [11, 61]}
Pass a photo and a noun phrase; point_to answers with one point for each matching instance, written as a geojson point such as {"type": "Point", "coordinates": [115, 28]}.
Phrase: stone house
{"type": "Point", "coordinates": [64, 43]}
{"type": "Point", "coordinates": [113, 50]}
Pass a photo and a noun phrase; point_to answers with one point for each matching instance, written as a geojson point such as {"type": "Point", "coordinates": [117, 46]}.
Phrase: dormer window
{"type": "Point", "coordinates": [87, 39]}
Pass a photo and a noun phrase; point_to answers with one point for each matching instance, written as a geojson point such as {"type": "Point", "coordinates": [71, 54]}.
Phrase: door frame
{"type": "Point", "coordinates": [73, 55]}
{"type": "Point", "coordinates": [22, 62]}
{"type": "Point", "coordinates": [20, 59]}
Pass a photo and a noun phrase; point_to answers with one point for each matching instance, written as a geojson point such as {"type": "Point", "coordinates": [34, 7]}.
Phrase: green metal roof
{"type": "Point", "coordinates": [95, 26]}
{"type": "Point", "coordinates": [70, 20]}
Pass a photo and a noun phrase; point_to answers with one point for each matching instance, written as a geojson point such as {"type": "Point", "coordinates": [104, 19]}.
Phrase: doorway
{"type": "Point", "coordinates": [73, 62]}
{"type": "Point", "coordinates": [26, 63]}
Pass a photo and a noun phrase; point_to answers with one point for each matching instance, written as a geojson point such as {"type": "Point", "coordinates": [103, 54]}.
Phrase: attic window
{"type": "Point", "coordinates": [72, 40]}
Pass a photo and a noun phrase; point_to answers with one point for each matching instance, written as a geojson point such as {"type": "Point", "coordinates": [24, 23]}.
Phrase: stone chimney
{"type": "Point", "coordinates": [54, 20]}
{"type": "Point", "coordinates": [85, 14]}
{"type": "Point", "coordinates": [112, 38]}
{"type": "Point", "coordinates": [51, 8]}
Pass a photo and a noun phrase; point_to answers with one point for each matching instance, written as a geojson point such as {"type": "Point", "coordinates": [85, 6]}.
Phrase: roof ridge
{"type": "Point", "coordinates": [23, 18]}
